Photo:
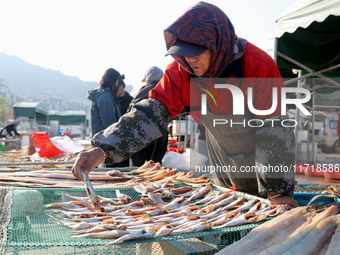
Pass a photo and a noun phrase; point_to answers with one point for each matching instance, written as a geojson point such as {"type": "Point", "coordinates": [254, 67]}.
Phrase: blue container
{"type": "Point", "coordinates": [304, 198]}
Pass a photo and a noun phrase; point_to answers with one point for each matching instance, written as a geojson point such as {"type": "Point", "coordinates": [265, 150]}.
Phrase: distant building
{"type": "Point", "coordinates": [6, 92]}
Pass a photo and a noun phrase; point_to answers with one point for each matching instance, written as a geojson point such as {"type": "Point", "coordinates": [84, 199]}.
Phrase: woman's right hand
{"type": "Point", "coordinates": [86, 161]}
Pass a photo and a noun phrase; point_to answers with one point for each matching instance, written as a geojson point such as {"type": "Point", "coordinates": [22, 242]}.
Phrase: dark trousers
{"type": "Point", "coordinates": [154, 151]}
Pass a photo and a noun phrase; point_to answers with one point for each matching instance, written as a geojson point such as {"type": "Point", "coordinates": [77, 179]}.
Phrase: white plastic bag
{"type": "Point", "coordinates": [66, 144]}
{"type": "Point", "coordinates": [185, 161]}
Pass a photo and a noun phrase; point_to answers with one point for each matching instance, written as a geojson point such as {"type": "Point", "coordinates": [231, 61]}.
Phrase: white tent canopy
{"type": "Point", "coordinates": [303, 12]}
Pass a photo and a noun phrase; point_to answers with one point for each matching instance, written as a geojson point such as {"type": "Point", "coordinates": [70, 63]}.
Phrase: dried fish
{"type": "Point", "coordinates": [147, 166]}
{"type": "Point", "coordinates": [73, 215]}
{"type": "Point", "coordinates": [134, 235]}
{"type": "Point", "coordinates": [248, 205]}
{"type": "Point", "coordinates": [147, 201]}
{"type": "Point", "coordinates": [195, 228]}
{"type": "Point", "coordinates": [225, 201]}
{"type": "Point", "coordinates": [69, 205]}
{"type": "Point", "coordinates": [175, 204]}
{"type": "Point", "coordinates": [209, 197]}
{"type": "Point", "coordinates": [224, 218]}
{"type": "Point", "coordinates": [256, 207]}
{"type": "Point", "coordinates": [243, 219]}
{"type": "Point", "coordinates": [72, 225]}
{"type": "Point", "coordinates": [123, 196]}
{"type": "Point", "coordinates": [204, 190]}
{"type": "Point", "coordinates": [156, 199]}
{"type": "Point", "coordinates": [218, 198]}
{"type": "Point", "coordinates": [164, 231]}
{"type": "Point", "coordinates": [236, 203]}
{"type": "Point", "coordinates": [111, 234]}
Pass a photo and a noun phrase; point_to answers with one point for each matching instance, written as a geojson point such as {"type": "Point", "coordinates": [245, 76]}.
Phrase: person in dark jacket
{"type": "Point", "coordinates": [105, 109]}
{"type": "Point", "coordinates": [10, 129]}
{"type": "Point", "coordinates": [154, 151]}
{"type": "Point", "coordinates": [124, 99]}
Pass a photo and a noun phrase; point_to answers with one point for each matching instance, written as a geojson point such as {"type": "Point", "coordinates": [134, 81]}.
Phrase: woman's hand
{"type": "Point", "coordinates": [86, 161]}
{"type": "Point", "coordinates": [283, 200]}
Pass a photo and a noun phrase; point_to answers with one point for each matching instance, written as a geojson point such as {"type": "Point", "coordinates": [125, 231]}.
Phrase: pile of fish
{"type": "Point", "coordinates": [154, 172]}
{"type": "Point", "coordinates": [159, 209]}
{"type": "Point", "coordinates": [298, 231]}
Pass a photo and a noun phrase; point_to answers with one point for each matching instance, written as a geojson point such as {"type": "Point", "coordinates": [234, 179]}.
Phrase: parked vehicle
{"type": "Point", "coordinates": [330, 138]}
{"type": "Point", "coordinates": [325, 130]}
{"type": "Point", "coordinates": [319, 127]}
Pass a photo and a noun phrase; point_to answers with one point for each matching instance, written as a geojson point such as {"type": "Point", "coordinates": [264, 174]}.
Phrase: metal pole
{"type": "Point", "coordinates": [193, 133]}
{"type": "Point", "coordinates": [179, 131]}
{"type": "Point", "coordinates": [313, 128]}
{"type": "Point", "coordinates": [297, 117]}
{"type": "Point", "coordinates": [308, 138]}
{"type": "Point", "coordinates": [186, 133]}
{"type": "Point", "coordinates": [275, 49]}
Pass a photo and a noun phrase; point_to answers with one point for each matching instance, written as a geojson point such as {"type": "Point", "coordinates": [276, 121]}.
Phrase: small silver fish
{"type": "Point", "coordinates": [243, 219]}
{"type": "Point", "coordinates": [274, 212]}
{"type": "Point", "coordinates": [248, 205]}
{"type": "Point", "coordinates": [256, 207]}
{"type": "Point", "coordinates": [134, 235]}
{"type": "Point", "coordinates": [196, 228]}
{"type": "Point", "coordinates": [225, 201]}
{"type": "Point", "coordinates": [156, 199]}
{"type": "Point", "coordinates": [164, 231]}
{"type": "Point", "coordinates": [194, 221]}
{"type": "Point", "coordinates": [158, 211]}
{"type": "Point", "coordinates": [219, 198]}
{"type": "Point", "coordinates": [72, 225]}
{"type": "Point", "coordinates": [73, 215]}
{"type": "Point", "coordinates": [234, 204]}
{"type": "Point", "coordinates": [95, 219]}
{"type": "Point", "coordinates": [69, 205]}
{"type": "Point", "coordinates": [83, 199]}
{"type": "Point", "coordinates": [200, 193]}
{"type": "Point", "coordinates": [111, 234]}
{"type": "Point", "coordinates": [213, 214]}
{"type": "Point", "coordinates": [175, 204]}
{"type": "Point", "coordinates": [224, 218]}
{"type": "Point", "coordinates": [140, 188]}
{"type": "Point", "coordinates": [147, 201]}
{"type": "Point", "coordinates": [103, 227]}
{"type": "Point", "coordinates": [123, 196]}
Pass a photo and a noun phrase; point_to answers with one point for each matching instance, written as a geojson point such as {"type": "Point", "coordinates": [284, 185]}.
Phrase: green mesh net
{"type": "Point", "coordinates": [30, 231]}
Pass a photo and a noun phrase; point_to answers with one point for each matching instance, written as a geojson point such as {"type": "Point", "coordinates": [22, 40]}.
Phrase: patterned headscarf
{"type": "Point", "coordinates": [206, 25]}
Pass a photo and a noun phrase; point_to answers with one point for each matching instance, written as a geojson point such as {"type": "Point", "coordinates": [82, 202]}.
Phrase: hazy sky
{"type": "Point", "coordinates": [83, 38]}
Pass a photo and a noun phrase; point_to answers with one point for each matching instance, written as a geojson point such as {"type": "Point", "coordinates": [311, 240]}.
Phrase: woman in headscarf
{"type": "Point", "coordinates": [204, 45]}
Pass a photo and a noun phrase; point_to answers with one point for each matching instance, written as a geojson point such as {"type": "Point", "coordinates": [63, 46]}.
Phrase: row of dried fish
{"type": "Point", "coordinates": [163, 209]}
{"type": "Point", "coordinates": [114, 178]}
{"type": "Point", "coordinates": [297, 231]}
{"type": "Point", "coordinates": [17, 157]}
